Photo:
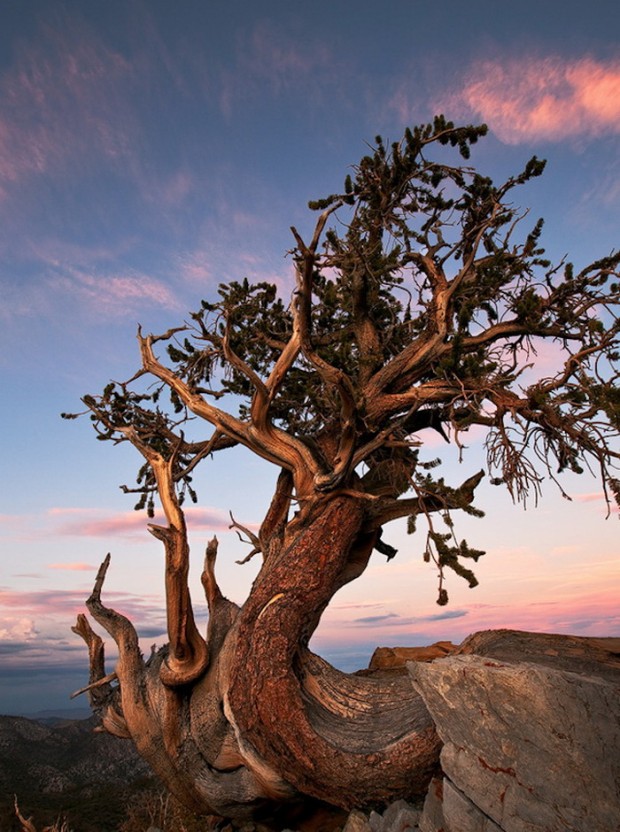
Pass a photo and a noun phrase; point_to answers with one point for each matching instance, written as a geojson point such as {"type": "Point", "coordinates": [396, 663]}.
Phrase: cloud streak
{"type": "Point", "coordinates": [392, 619]}
{"type": "Point", "coordinates": [64, 98]}
{"type": "Point", "coordinates": [112, 295]}
{"type": "Point", "coordinates": [34, 614]}
{"type": "Point", "coordinates": [269, 60]}
{"type": "Point", "coordinates": [551, 98]}
{"type": "Point", "coordinates": [90, 523]}
{"type": "Point", "coordinates": [72, 567]}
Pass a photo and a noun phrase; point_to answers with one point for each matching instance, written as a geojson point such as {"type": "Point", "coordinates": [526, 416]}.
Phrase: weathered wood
{"type": "Point", "coordinates": [323, 730]}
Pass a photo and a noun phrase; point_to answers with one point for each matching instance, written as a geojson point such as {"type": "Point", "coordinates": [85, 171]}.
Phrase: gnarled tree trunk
{"type": "Point", "coordinates": [252, 721]}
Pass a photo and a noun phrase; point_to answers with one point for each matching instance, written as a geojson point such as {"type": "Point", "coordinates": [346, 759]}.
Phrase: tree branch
{"type": "Point", "coordinates": [386, 510]}
{"type": "Point", "coordinates": [273, 444]}
{"type": "Point", "coordinates": [331, 375]}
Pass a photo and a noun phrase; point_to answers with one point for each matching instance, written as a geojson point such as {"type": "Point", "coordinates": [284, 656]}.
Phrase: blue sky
{"type": "Point", "coordinates": [148, 152]}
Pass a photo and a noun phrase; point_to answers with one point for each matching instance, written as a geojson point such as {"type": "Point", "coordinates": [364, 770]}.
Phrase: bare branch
{"type": "Point", "coordinates": [117, 625]}
{"type": "Point", "coordinates": [105, 680]}
{"type": "Point", "coordinates": [272, 444]}
{"type": "Point", "coordinates": [188, 656]}
{"type": "Point", "coordinates": [27, 824]}
{"type": "Point", "coordinates": [252, 539]}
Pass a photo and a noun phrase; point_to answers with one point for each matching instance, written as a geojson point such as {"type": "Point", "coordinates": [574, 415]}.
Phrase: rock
{"type": "Point", "coordinates": [375, 821]}
{"type": "Point", "coordinates": [357, 822]}
{"type": "Point", "coordinates": [461, 814]}
{"type": "Point", "coordinates": [432, 819]}
{"type": "Point", "coordinates": [387, 658]}
{"type": "Point", "coordinates": [599, 656]}
{"type": "Point", "coordinates": [400, 817]}
{"type": "Point", "coordinates": [531, 731]}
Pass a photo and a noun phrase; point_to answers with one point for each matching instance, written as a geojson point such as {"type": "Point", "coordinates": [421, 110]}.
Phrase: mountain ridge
{"type": "Point", "coordinates": [56, 765]}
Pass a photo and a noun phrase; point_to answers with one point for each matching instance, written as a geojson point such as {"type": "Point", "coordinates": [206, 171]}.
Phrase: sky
{"type": "Point", "coordinates": [151, 150]}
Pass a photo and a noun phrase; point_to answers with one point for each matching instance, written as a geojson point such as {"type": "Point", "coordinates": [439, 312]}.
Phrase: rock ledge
{"type": "Point", "coordinates": [531, 730]}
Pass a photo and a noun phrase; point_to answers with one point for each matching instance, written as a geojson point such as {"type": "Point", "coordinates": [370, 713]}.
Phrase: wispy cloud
{"type": "Point", "coordinates": [63, 98]}
{"type": "Point", "coordinates": [375, 619]}
{"type": "Point", "coordinates": [72, 567]}
{"type": "Point", "coordinates": [394, 620]}
{"type": "Point", "coordinates": [270, 59]}
{"type": "Point", "coordinates": [114, 295]}
{"type": "Point", "coordinates": [282, 60]}
{"type": "Point", "coordinates": [549, 98]}
{"type": "Point", "coordinates": [594, 496]}
{"type": "Point", "coordinates": [64, 604]}
{"type": "Point", "coordinates": [94, 523]}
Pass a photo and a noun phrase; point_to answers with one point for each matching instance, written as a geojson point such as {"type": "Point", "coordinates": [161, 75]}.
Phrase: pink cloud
{"type": "Point", "coordinates": [195, 267]}
{"type": "Point", "coordinates": [43, 602]}
{"type": "Point", "coordinates": [17, 629]}
{"type": "Point", "coordinates": [63, 98]}
{"type": "Point", "coordinates": [112, 294]}
{"type": "Point", "coordinates": [589, 498]}
{"type": "Point", "coordinates": [166, 192]}
{"type": "Point", "coordinates": [132, 523]}
{"type": "Point", "coordinates": [597, 497]}
{"type": "Point", "coordinates": [98, 293]}
{"type": "Point", "coordinates": [532, 99]}
{"type": "Point", "coordinates": [72, 567]}
{"type": "Point", "coordinates": [587, 614]}
{"type": "Point", "coordinates": [30, 614]}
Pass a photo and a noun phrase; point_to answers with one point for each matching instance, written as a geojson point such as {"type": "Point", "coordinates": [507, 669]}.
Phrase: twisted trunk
{"type": "Point", "coordinates": [267, 725]}
{"type": "Point", "coordinates": [347, 740]}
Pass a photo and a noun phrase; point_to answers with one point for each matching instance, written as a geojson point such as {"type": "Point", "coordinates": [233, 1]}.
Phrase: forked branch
{"type": "Point", "coordinates": [271, 443]}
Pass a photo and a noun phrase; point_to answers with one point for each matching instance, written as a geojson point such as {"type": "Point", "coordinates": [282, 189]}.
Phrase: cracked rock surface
{"type": "Point", "coordinates": [531, 731]}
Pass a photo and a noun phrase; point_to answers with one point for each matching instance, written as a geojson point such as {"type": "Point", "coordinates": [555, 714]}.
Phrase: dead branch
{"type": "Point", "coordinates": [252, 539]}
{"type": "Point", "coordinates": [105, 680]}
{"type": "Point", "coordinates": [27, 824]}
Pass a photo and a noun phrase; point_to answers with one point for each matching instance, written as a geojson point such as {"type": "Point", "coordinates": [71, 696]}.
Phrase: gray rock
{"type": "Point", "coordinates": [357, 822]}
{"type": "Point", "coordinates": [532, 747]}
{"type": "Point", "coordinates": [461, 814]}
{"type": "Point", "coordinates": [400, 817]}
{"type": "Point", "coordinates": [376, 822]}
{"type": "Point", "coordinates": [432, 819]}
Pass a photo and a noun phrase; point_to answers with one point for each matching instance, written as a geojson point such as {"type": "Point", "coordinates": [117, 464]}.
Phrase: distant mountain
{"type": "Point", "coordinates": [59, 766]}
{"type": "Point", "coordinates": [59, 713]}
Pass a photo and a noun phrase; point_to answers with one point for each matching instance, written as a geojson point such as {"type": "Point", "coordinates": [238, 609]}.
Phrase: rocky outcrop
{"type": "Point", "coordinates": [531, 731]}
{"type": "Point", "coordinates": [389, 658]}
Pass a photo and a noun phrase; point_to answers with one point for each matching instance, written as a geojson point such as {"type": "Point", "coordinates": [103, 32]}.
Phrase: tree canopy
{"type": "Point", "coordinates": [421, 300]}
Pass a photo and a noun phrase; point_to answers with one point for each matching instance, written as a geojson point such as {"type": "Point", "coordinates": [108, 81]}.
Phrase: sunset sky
{"type": "Point", "coordinates": [150, 150]}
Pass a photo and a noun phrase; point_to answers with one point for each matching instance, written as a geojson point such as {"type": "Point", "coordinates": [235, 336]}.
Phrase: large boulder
{"type": "Point", "coordinates": [531, 730]}
{"type": "Point", "coordinates": [389, 658]}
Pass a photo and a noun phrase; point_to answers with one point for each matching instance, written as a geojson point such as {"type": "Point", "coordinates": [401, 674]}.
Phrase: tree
{"type": "Point", "coordinates": [421, 307]}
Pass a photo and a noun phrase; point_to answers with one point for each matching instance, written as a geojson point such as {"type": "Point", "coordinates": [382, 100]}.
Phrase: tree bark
{"type": "Point", "coordinates": [345, 740]}
{"type": "Point", "coordinates": [267, 725]}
